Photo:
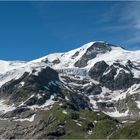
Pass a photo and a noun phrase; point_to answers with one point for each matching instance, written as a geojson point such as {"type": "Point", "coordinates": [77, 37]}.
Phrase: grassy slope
{"type": "Point", "coordinates": [98, 123]}
{"type": "Point", "coordinates": [131, 131]}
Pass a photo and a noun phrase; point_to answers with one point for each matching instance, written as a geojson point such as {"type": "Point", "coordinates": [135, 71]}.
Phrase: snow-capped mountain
{"type": "Point", "coordinates": [96, 76]}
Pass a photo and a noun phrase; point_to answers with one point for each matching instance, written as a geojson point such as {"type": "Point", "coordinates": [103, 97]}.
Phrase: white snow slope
{"type": "Point", "coordinates": [15, 69]}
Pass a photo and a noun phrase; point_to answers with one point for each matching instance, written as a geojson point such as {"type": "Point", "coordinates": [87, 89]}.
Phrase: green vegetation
{"type": "Point", "coordinates": [83, 124]}
{"type": "Point", "coordinates": [131, 131]}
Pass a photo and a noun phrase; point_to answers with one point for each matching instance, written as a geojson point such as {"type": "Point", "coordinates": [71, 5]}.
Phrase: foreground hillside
{"type": "Point", "coordinates": [61, 123]}
{"type": "Point", "coordinates": [130, 131]}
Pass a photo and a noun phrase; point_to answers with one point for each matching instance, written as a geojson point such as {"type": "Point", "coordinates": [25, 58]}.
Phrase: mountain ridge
{"type": "Point", "coordinates": [97, 77]}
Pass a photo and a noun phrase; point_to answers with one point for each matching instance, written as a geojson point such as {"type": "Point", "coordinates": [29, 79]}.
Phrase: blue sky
{"type": "Point", "coordinates": [29, 30]}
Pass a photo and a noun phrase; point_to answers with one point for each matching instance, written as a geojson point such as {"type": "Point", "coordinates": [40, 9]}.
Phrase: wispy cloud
{"type": "Point", "coordinates": [126, 18]}
{"type": "Point", "coordinates": [121, 19]}
{"type": "Point", "coordinates": [131, 16]}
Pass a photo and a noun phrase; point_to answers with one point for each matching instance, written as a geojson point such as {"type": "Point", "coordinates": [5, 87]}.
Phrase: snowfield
{"type": "Point", "coordinates": [14, 69]}
{"type": "Point", "coordinates": [64, 64]}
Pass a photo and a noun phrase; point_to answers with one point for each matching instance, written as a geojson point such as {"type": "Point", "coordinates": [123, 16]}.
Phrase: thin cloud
{"type": "Point", "coordinates": [131, 16]}
{"type": "Point", "coordinates": [122, 17]}
{"type": "Point", "coordinates": [127, 18]}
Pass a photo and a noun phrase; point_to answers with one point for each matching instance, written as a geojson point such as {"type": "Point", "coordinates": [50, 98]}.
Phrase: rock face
{"type": "Point", "coordinates": [19, 113]}
{"type": "Point", "coordinates": [108, 76]}
{"type": "Point", "coordinates": [52, 126]}
{"type": "Point", "coordinates": [33, 85]}
{"type": "Point", "coordinates": [98, 76]}
{"type": "Point", "coordinates": [95, 49]}
{"type": "Point", "coordinates": [96, 72]}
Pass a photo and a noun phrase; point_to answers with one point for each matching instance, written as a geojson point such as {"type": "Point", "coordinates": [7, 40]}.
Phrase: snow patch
{"type": "Point", "coordinates": [31, 119]}
{"type": "Point", "coordinates": [93, 102]}
{"type": "Point", "coordinates": [138, 104]}
{"type": "Point", "coordinates": [64, 112]}
{"type": "Point", "coordinates": [48, 103]}
{"type": "Point", "coordinates": [22, 84]}
{"type": "Point", "coordinates": [79, 124]}
{"type": "Point", "coordinates": [67, 99]}
{"type": "Point", "coordinates": [39, 96]}
{"type": "Point", "coordinates": [116, 113]}
{"type": "Point", "coordinates": [89, 132]}
{"type": "Point", "coordinates": [5, 108]}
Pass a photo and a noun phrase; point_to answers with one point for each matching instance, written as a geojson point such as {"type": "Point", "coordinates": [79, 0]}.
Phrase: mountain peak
{"type": "Point", "coordinates": [84, 57]}
{"type": "Point", "coordinates": [101, 45]}
{"type": "Point", "coordinates": [87, 55]}
{"type": "Point", "coordinates": [91, 50]}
